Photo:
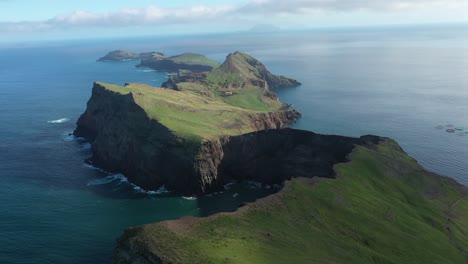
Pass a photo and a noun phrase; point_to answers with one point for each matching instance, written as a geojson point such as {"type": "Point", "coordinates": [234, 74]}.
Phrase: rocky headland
{"type": "Point", "coordinates": [152, 151]}
{"type": "Point", "coordinates": [344, 200]}
{"type": "Point", "coordinates": [175, 137]}
{"type": "Point", "coordinates": [355, 201]}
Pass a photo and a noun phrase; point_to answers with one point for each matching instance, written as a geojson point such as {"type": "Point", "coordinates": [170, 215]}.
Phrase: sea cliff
{"type": "Point", "coordinates": [126, 139]}
{"type": "Point", "coordinates": [380, 206]}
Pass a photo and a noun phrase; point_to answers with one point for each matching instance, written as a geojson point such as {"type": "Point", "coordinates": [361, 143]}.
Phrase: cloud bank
{"type": "Point", "coordinates": [254, 9]}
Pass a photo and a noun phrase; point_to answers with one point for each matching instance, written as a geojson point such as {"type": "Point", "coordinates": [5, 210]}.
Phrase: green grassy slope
{"type": "Point", "coordinates": [240, 81]}
{"type": "Point", "coordinates": [242, 70]}
{"type": "Point", "coordinates": [235, 70]}
{"type": "Point", "coordinates": [194, 58]}
{"type": "Point", "coordinates": [382, 208]}
{"type": "Point", "coordinates": [189, 114]}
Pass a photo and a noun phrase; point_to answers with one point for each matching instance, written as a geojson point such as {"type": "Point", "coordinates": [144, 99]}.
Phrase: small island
{"type": "Point", "coordinates": [343, 200]}
{"type": "Point", "coordinates": [123, 55]}
{"type": "Point", "coordinates": [189, 61]}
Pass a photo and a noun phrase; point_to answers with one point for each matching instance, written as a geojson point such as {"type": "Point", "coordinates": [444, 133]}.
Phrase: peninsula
{"type": "Point", "coordinates": [344, 200]}
{"type": "Point", "coordinates": [380, 207]}
{"type": "Point", "coordinates": [167, 137]}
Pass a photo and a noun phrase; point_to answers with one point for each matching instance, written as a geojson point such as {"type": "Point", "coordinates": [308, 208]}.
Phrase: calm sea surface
{"type": "Point", "coordinates": [399, 83]}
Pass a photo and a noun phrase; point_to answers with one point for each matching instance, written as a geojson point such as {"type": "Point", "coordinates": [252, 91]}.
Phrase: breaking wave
{"type": "Point", "coordinates": [121, 179]}
{"type": "Point", "coordinates": [107, 180]}
{"type": "Point", "coordinates": [59, 121]}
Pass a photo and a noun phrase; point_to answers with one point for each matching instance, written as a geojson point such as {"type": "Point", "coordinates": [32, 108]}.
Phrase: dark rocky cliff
{"type": "Point", "coordinates": [124, 139]}
{"type": "Point", "coordinates": [273, 156]}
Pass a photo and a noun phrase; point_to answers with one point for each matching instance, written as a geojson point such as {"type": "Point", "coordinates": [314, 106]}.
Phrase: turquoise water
{"type": "Point", "coordinates": [399, 83]}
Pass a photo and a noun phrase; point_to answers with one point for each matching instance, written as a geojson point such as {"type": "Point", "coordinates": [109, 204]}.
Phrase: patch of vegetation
{"type": "Point", "coordinates": [189, 114]}
{"type": "Point", "coordinates": [194, 59]}
{"type": "Point", "coordinates": [252, 98]}
{"type": "Point", "coordinates": [241, 70]}
{"type": "Point", "coordinates": [458, 224]}
{"type": "Point", "coordinates": [234, 71]}
{"type": "Point", "coordinates": [382, 208]}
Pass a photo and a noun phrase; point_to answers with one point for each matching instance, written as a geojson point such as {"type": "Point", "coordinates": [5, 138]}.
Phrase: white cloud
{"type": "Point", "coordinates": [153, 15]}
{"type": "Point", "coordinates": [305, 6]}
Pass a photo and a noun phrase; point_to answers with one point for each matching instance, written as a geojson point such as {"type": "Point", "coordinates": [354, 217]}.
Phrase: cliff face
{"type": "Point", "coordinates": [124, 139]}
{"type": "Point", "coordinates": [382, 206]}
{"type": "Point", "coordinates": [273, 156]}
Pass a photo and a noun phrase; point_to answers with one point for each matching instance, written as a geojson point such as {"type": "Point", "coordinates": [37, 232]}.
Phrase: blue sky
{"type": "Point", "coordinates": [54, 19]}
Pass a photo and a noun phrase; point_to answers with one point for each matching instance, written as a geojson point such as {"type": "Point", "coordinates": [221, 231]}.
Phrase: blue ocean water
{"type": "Point", "coordinates": [399, 83]}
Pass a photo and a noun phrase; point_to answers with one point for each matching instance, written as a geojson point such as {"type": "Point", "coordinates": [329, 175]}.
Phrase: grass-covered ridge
{"type": "Point", "coordinates": [186, 61]}
{"type": "Point", "coordinates": [382, 208]}
{"type": "Point", "coordinates": [194, 58]}
{"type": "Point", "coordinates": [189, 114]}
{"type": "Point", "coordinates": [237, 68]}
{"type": "Point", "coordinates": [241, 70]}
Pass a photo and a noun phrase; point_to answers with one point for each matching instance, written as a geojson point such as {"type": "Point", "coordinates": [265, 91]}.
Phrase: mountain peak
{"type": "Point", "coordinates": [241, 70]}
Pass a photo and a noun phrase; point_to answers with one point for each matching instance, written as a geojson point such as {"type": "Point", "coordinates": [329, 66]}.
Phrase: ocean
{"type": "Point", "coordinates": [395, 82]}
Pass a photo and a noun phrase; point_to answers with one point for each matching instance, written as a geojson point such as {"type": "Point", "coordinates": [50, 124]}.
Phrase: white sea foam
{"type": "Point", "coordinates": [254, 185]}
{"type": "Point", "coordinates": [89, 166]}
{"type": "Point", "coordinates": [108, 179]}
{"type": "Point", "coordinates": [121, 179]}
{"type": "Point", "coordinates": [138, 189]}
{"type": "Point", "coordinates": [235, 195]}
{"type": "Point", "coordinates": [146, 70]}
{"type": "Point", "coordinates": [191, 198]}
{"type": "Point", "coordinates": [69, 138]}
{"type": "Point", "coordinates": [228, 185]}
{"type": "Point", "coordinates": [59, 121]}
{"type": "Point", "coordinates": [86, 146]}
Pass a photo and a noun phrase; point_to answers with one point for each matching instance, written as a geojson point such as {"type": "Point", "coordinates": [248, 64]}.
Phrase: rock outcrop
{"type": "Point", "coordinates": [183, 76]}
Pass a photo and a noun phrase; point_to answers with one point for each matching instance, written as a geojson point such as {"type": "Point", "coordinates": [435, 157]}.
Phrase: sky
{"type": "Point", "coordinates": [60, 19]}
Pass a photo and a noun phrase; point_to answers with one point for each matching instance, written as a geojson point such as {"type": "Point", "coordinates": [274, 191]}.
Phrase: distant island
{"type": "Point", "coordinates": [123, 55]}
{"type": "Point", "coordinates": [344, 200]}
{"type": "Point", "coordinates": [158, 61]}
